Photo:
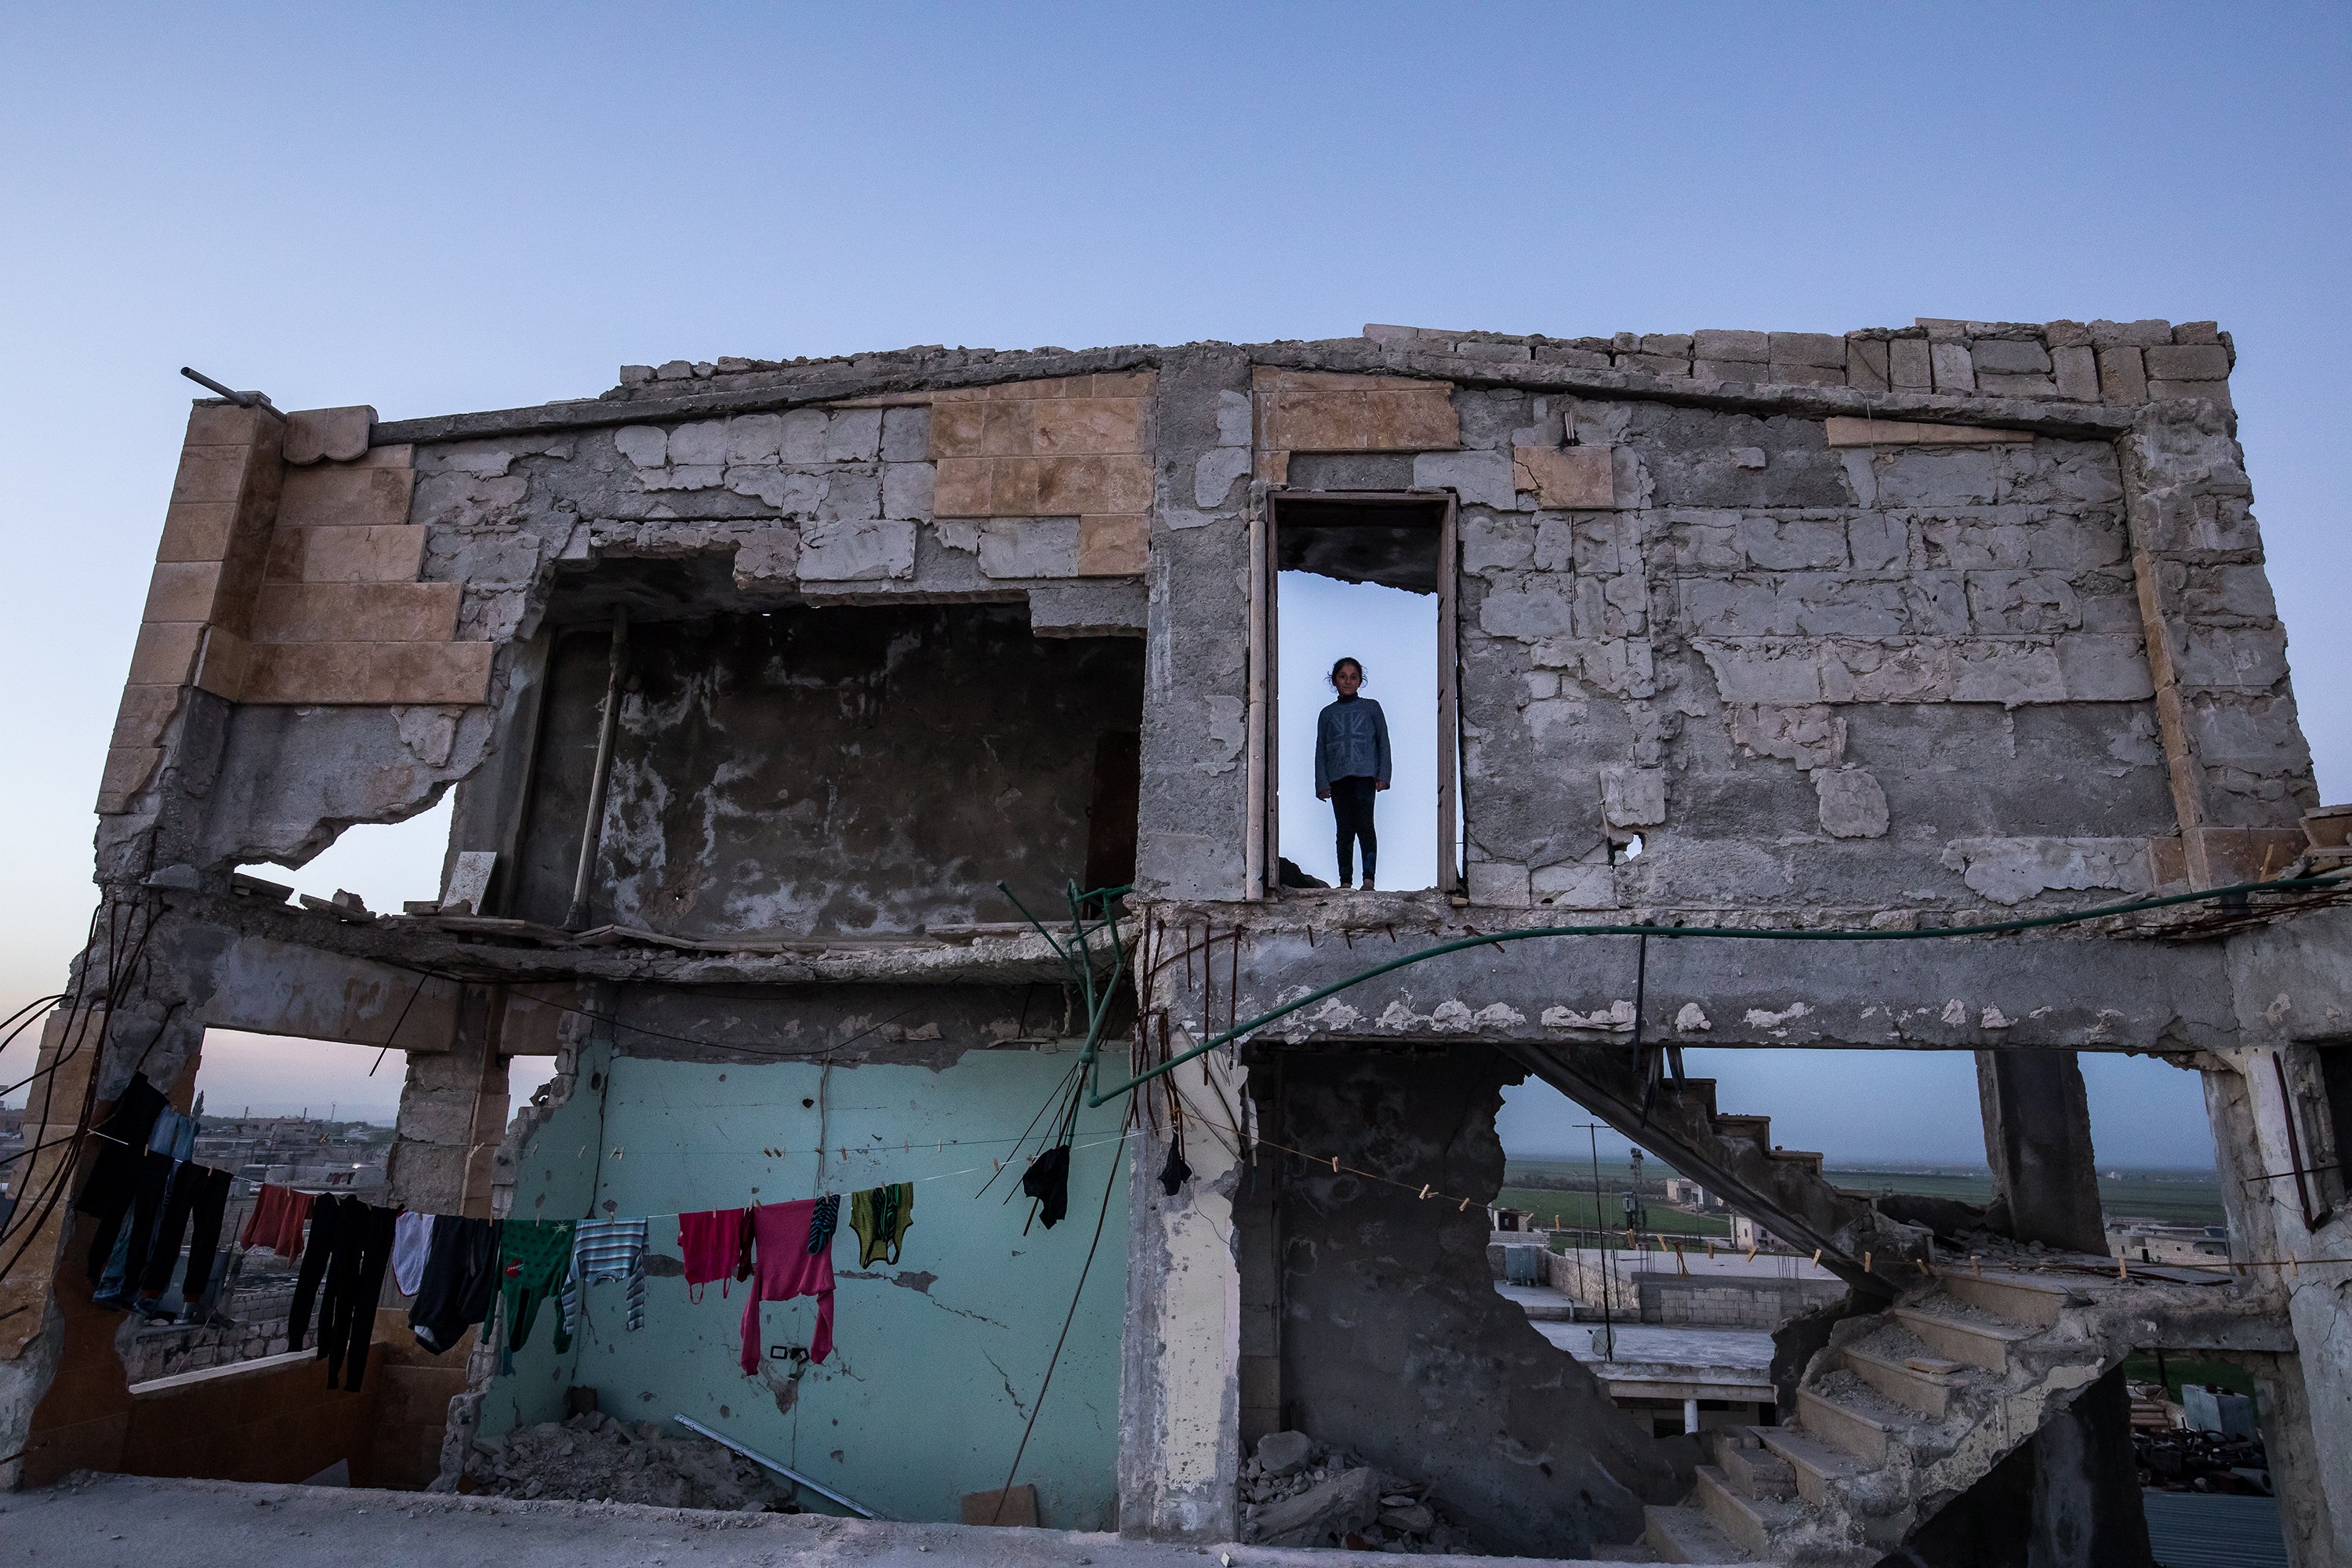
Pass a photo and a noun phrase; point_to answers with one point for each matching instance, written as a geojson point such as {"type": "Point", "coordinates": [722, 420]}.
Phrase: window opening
{"type": "Point", "coordinates": [387, 864]}
{"type": "Point", "coordinates": [296, 1113]}
{"type": "Point", "coordinates": [1364, 577]}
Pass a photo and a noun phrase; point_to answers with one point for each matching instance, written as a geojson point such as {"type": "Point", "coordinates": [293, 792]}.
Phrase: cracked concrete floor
{"type": "Point", "coordinates": [131, 1521]}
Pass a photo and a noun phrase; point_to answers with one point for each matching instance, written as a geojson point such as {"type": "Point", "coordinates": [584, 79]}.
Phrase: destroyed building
{"type": "Point", "coordinates": [755, 681]}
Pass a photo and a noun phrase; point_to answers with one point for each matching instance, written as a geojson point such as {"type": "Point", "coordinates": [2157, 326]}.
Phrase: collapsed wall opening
{"type": "Point", "coordinates": [842, 770]}
{"type": "Point", "coordinates": [1367, 578]}
{"type": "Point", "coordinates": [1369, 1320]}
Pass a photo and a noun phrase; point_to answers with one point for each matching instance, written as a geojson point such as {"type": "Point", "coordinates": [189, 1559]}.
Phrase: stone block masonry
{"type": "Point", "coordinates": [1892, 629]}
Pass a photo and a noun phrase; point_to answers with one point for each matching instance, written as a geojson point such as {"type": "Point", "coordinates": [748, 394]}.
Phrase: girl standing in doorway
{"type": "Point", "coordinates": [1351, 765]}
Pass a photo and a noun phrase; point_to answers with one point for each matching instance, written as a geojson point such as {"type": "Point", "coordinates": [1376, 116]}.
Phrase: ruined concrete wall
{"type": "Point", "coordinates": [2292, 986]}
{"type": "Point", "coordinates": [1394, 1344]}
{"type": "Point", "coordinates": [1803, 674]}
{"type": "Point", "coordinates": [842, 771]}
{"type": "Point", "coordinates": [938, 1359]}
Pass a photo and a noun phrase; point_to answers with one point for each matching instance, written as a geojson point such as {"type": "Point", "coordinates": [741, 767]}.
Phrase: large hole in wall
{"type": "Point", "coordinates": [1629, 1267]}
{"type": "Point", "coordinates": [385, 863]}
{"type": "Point", "coordinates": [310, 1115]}
{"type": "Point", "coordinates": [844, 771]}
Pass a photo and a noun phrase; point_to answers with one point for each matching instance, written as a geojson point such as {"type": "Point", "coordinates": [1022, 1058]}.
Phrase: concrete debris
{"type": "Point", "coordinates": [598, 1459]}
{"type": "Point", "coordinates": [1296, 1492]}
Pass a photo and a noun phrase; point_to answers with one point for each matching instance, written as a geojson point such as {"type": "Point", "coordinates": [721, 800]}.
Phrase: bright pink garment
{"type": "Point", "coordinates": [782, 1267]}
{"type": "Point", "coordinates": [712, 1244]}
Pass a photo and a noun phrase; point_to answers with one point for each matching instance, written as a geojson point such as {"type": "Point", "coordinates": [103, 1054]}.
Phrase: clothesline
{"type": "Point", "coordinates": [993, 1167]}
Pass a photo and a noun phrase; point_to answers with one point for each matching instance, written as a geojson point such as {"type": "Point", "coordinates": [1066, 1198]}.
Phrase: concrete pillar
{"type": "Point", "coordinates": [2037, 1132]}
{"type": "Point", "coordinates": [2306, 1399]}
{"type": "Point", "coordinates": [453, 1114]}
{"type": "Point", "coordinates": [1180, 1387]}
{"type": "Point", "coordinates": [2086, 1506]}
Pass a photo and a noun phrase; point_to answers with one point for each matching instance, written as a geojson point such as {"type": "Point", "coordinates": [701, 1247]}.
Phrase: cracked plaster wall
{"type": "Point", "coordinates": [838, 771]}
{"type": "Point", "coordinates": [1804, 674]}
{"type": "Point", "coordinates": [937, 1358]}
{"type": "Point", "coordinates": [1457, 1387]}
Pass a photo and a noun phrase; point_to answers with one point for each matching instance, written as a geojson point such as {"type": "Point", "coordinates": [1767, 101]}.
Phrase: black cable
{"type": "Point", "coordinates": [1100, 1215]}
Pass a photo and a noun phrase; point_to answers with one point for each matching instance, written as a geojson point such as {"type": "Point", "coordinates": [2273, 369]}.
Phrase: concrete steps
{"type": "Point", "coordinates": [1684, 1533]}
{"type": "Point", "coordinates": [2036, 1303]}
{"type": "Point", "coordinates": [1820, 1470]}
{"type": "Point", "coordinates": [1844, 1426]}
{"type": "Point", "coordinates": [1969, 1340]}
{"type": "Point", "coordinates": [1752, 1469]}
{"type": "Point", "coordinates": [1926, 1389]}
{"type": "Point", "coordinates": [1749, 1522]}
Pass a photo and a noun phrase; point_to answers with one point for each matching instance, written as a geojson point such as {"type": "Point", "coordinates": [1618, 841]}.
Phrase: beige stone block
{"type": "Point", "coordinates": [963, 487]}
{"type": "Point", "coordinates": [227, 425]}
{"type": "Point", "coordinates": [1087, 425]}
{"type": "Point", "coordinates": [1566, 478]}
{"type": "Point", "coordinates": [128, 769]}
{"type": "Point", "coordinates": [346, 495]}
{"type": "Point", "coordinates": [2123, 378]}
{"type": "Point", "coordinates": [1844, 431]}
{"type": "Point", "coordinates": [365, 555]}
{"type": "Point", "coordinates": [958, 425]}
{"type": "Point", "coordinates": [328, 434]}
{"type": "Point", "coordinates": [183, 590]}
{"type": "Point", "coordinates": [1379, 418]}
{"type": "Point", "coordinates": [146, 712]}
{"type": "Point", "coordinates": [197, 531]}
{"type": "Point", "coordinates": [1114, 544]}
{"type": "Point", "coordinates": [210, 473]}
{"type": "Point", "coordinates": [370, 674]}
{"type": "Point", "coordinates": [356, 611]}
{"type": "Point", "coordinates": [222, 663]}
{"type": "Point", "coordinates": [1007, 429]}
{"type": "Point", "coordinates": [1013, 487]}
{"type": "Point", "coordinates": [165, 653]}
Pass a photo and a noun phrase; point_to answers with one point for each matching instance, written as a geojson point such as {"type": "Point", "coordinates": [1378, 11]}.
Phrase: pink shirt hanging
{"type": "Point", "coordinates": [793, 1256]}
{"type": "Point", "coordinates": [712, 1246]}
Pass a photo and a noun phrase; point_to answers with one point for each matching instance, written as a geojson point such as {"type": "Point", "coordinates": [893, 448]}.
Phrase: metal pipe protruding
{"type": "Point", "coordinates": [616, 663]}
{"type": "Point", "coordinates": [242, 399]}
{"type": "Point", "coordinates": [757, 1457]}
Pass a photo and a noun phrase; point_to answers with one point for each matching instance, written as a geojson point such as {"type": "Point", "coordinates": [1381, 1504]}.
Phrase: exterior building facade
{"type": "Point", "coordinates": [776, 698]}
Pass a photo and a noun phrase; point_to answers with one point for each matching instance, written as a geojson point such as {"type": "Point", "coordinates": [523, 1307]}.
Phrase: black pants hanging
{"type": "Point", "coordinates": [147, 1209]}
{"type": "Point", "coordinates": [461, 1280]}
{"type": "Point", "coordinates": [1352, 806]}
{"type": "Point", "coordinates": [209, 1206]}
{"type": "Point", "coordinates": [153, 1277]}
{"type": "Point", "coordinates": [118, 1146]}
{"type": "Point", "coordinates": [326, 1225]}
{"type": "Point", "coordinates": [354, 1286]}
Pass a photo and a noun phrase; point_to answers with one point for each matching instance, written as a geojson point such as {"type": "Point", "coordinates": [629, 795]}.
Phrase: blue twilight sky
{"type": "Point", "coordinates": [443, 208]}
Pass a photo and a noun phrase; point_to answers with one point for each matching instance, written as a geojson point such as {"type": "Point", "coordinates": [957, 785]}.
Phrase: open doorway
{"type": "Point", "coordinates": [1367, 578]}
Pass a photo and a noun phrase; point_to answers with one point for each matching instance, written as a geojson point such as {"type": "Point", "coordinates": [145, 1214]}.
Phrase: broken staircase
{"type": "Point", "coordinates": [1733, 1157]}
{"type": "Point", "coordinates": [1907, 1408]}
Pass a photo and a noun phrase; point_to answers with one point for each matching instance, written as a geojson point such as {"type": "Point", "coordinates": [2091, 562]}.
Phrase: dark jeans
{"type": "Point", "coordinates": [1351, 804]}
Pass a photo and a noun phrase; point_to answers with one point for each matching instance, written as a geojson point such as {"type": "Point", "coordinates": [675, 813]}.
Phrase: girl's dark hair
{"type": "Point", "coordinates": [1339, 664]}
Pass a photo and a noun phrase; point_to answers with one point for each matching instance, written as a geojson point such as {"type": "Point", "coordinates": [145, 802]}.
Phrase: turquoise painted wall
{"type": "Point", "coordinates": [936, 1361]}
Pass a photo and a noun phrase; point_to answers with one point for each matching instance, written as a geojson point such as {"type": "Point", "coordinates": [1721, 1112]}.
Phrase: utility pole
{"type": "Point", "coordinates": [1608, 1322]}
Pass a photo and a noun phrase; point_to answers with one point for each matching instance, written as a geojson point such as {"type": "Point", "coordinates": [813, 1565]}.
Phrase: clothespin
{"type": "Point", "coordinates": [1817, 1257]}
{"type": "Point", "coordinates": [2123, 1267]}
{"type": "Point", "coordinates": [1751, 1255]}
{"type": "Point", "coordinates": [1465, 1207]}
{"type": "Point", "coordinates": [1335, 1164]}
{"type": "Point", "coordinates": [1424, 1189]}
{"type": "Point", "coordinates": [1865, 1263]}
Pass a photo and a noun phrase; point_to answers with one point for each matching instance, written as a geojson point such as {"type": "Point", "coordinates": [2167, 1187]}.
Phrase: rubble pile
{"type": "Point", "coordinates": [1296, 1492]}
{"type": "Point", "coordinates": [594, 1457]}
